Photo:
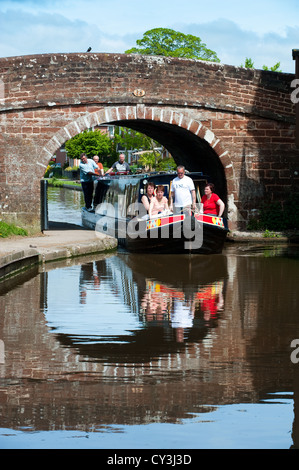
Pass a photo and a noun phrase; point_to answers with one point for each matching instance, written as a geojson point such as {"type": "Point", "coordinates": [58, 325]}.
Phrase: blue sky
{"type": "Point", "coordinates": [265, 31]}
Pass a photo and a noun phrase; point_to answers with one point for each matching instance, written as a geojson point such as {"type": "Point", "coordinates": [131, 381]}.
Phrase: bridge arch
{"type": "Point", "coordinates": [188, 140]}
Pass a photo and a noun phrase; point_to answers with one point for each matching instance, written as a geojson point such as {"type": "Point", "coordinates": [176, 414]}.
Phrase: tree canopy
{"type": "Point", "coordinates": [168, 42]}
{"type": "Point", "coordinates": [90, 142]}
{"type": "Point", "coordinates": [131, 139]}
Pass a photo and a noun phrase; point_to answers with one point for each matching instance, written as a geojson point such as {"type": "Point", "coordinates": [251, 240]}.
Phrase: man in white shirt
{"type": "Point", "coordinates": [183, 191]}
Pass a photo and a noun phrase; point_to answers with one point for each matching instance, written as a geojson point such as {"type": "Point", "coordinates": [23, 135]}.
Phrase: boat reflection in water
{"type": "Point", "coordinates": [180, 293]}
{"type": "Point", "coordinates": [169, 301]}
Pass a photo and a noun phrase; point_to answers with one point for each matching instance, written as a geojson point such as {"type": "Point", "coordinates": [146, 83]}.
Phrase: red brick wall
{"type": "Point", "coordinates": [233, 123]}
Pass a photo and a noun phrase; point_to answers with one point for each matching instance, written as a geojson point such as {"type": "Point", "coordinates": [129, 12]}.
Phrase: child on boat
{"type": "Point", "coordinates": [159, 203]}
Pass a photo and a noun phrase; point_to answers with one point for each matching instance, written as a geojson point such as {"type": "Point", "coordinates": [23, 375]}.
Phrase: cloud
{"type": "Point", "coordinates": [233, 44]}
{"type": "Point", "coordinates": [27, 32]}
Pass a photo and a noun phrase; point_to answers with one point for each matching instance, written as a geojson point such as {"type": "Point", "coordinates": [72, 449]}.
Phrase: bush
{"type": "Point", "coordinates": [71, 168]}
{"type": "Point", "coordinates": [167, 164]}
{"type": "Point", "coordinates": [277, 216]}
{"type": "Point", "coordinates": [291, 211]}
{"type": "Point", "coordinates": [271, 217]}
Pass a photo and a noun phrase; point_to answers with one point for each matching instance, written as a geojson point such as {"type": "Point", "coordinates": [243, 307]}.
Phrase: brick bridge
{"type": "Point", "coordinates": [235, 124]}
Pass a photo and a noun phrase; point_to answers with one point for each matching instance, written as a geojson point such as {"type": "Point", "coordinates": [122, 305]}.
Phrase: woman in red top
{"type": "Point", "coordinates": [212, 204]}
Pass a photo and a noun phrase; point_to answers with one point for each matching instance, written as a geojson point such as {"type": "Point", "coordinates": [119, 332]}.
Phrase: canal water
{"type": "Point", "coordinates": [64, 205]}
{"type": "Point", "coordinates": [124, 351]}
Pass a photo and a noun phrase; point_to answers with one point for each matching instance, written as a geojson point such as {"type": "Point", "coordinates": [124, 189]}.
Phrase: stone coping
{"type": "Point", "coordinates": [20, 253]}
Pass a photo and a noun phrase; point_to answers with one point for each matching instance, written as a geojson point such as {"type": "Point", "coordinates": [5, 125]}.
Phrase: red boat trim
{"type": "Point", "coordinates": [163, 221]}
{"type": "Point", "coordinates": [210, 219]}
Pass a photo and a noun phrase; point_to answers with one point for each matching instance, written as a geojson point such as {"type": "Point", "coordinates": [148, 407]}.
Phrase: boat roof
{"type": "Point", "coordinates": [163, 175]}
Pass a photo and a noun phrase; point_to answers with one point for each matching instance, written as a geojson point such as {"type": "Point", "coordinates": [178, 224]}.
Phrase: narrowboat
{"type": "Point", "coordinates": [119, 213]}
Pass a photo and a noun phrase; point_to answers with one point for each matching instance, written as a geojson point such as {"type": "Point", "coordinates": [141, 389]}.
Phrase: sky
{"type": "Point", "coordinates": [265, 31]}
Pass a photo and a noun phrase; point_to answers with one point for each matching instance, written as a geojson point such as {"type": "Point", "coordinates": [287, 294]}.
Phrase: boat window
{"type": "Point", "coordinates": [199, 189]}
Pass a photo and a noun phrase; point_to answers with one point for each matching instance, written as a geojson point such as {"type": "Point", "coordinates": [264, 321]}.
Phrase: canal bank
{"type": "Point", "coordinates": [61, 241]}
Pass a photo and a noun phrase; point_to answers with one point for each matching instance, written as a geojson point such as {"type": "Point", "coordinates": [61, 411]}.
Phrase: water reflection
{"type": "Point", "coordinates": [137, 308]}
{"type": "Point", "coordinates": [64, 205]}
{"type": "Point", "coordinates": [129, 340]}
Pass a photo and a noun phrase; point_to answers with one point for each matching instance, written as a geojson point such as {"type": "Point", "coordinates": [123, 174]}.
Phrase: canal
{"type": "Point", "coordinates": [123, 351]}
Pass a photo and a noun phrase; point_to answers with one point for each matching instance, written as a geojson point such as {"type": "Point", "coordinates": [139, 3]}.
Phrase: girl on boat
{"type": "Point", "coordinates": [159, 203]}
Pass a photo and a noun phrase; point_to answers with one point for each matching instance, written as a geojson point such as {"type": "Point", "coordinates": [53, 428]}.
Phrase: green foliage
{"type": "Point", "coordinates": [90, 142]}
{"type": "Point", "coordinates": [275, 216]}
{"type": "Point", "coordinates": [135, 168]}
{"type": "Point", "coordinates": [54, 171]}
{"type": "Point", "coordinates": [269, 234]}
{"type": "Point", "coordinates": [151, 163]}
{"type": "Point", "coordinates": [148, 160]}
{"type": "Point", "coordinates": [168, 42]}
{"type": "Point", "coordinates": [167, 164]}
{"type": "Point", "coordinates": [274, 68]}
{"type": "Point", "coordinates": [249, 64]}
{"type": "Point", "coordinates": [71, 168]}
{"type": "Point", "coordinates": [291, 211]}
{"type": "Point", "coordinates": [7, 230]}
{"type": "Point", "coordinates": [272, 216]}
{"type": "Point", "coordinates": [130, 139]}
{"type": "Point", "coordinates": [58, 183]}
{"type": "Point", "coordinates": [55, 182]}
{"type": "Point", "coordinates": [48, 171]}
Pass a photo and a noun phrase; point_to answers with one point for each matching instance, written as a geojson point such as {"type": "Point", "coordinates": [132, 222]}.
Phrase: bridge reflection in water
{"type": "Point", "coordinates": [125, 339]}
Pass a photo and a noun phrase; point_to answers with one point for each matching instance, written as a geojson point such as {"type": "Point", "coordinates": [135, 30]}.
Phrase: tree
{"type": "Point", "coordinates": [167, 42]}
{"type": "Point", "coordinates": [148, 160]}
{"type": "Point", "coordinates": [130, 139]}
{"type": "Point", "coordinates": [90, 142]}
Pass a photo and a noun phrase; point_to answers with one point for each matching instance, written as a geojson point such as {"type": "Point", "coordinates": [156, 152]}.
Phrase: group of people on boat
{"type": "Point", "coordinates": [91, 169]}
{"type": "Point", "coordinates": [182, 197]}
{"type": "Point", "coordinates": [182, 192]}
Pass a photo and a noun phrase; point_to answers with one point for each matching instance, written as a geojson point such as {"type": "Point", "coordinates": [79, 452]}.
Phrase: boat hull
{"type": "Point", "coordinates": [170, 234]}
{"type": "Point", "coordinates": [209, 238]}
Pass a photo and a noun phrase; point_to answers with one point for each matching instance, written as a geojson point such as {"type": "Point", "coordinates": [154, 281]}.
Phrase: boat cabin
{"type": "Point", "coordinates": [133, 187]}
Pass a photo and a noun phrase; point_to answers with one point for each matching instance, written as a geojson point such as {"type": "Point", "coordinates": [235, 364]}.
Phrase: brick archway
{"type": "Point", "coordinates": [156, 122]}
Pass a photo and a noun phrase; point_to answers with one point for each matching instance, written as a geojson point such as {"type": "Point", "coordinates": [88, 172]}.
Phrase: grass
{"type": "Point", "coordinates": [60, 182]}
{"type": "Point", "coordinates": [7, 230]}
